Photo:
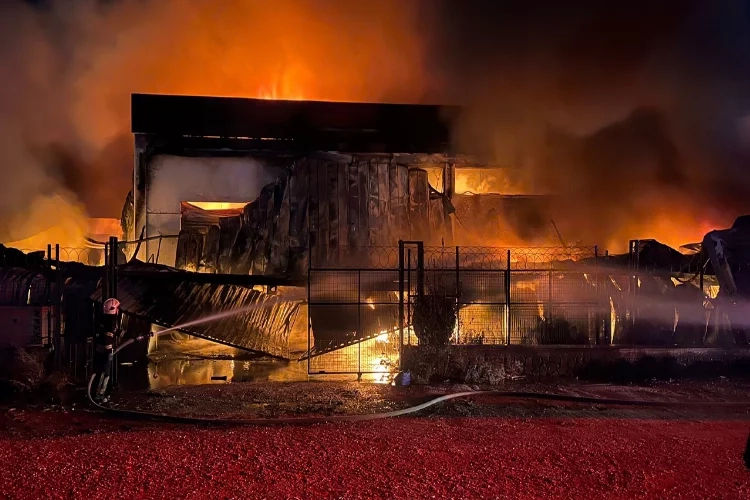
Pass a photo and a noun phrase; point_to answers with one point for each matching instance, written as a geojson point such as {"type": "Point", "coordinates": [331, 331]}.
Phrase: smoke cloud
{"type": "Point", "coordinates": [631, 113]}
{"type": "Point", "coordinates": [69, 68]}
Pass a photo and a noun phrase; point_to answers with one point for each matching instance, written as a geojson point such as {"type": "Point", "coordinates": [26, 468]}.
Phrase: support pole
{"type": "Point", "coordinates": [420, 270]}
{"type": "Point", "coordinates": [599, 306]}
{"type": "Point", "coordinates": [359, 324]}
{"type": "Point", "coordinates": [105, 279]}
{"type": "Point", "coordinates": [112, 280]}
{"type": "Point", "coordinates": [507, 299]}
{"type": "Point", "coordinates": [309, 318]}
{"type": "Point", "coordinates": [58, 309]}
{"type": "Point", "coordinates": [48, 299]}
{"type": "Point", "coordinates": [408, 293]}
{"type": "Point", "coordinates": [401, 303]}
{"type": "Point", "coordinates": [458, 295]}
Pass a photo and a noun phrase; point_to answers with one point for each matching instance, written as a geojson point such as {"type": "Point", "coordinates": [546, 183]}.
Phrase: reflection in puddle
{"type": "Point", "coordinates": [158, 374]}
{"type": "Point", "coordinates": [376, 358]}
{"type": "Point", "coordinates": [180, 371]}
{"type": "Point", "coordinates": [190, 361]}
{"type": "Point", "coordinates": [210, 371]}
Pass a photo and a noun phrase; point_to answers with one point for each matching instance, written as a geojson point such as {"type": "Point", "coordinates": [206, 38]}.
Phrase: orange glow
{"type": "Point", "coordinates": [36, 229]}
{"type": "Point", "coordinates": [484, 180]}
{"type": "Point", "coordinates": [668, 226]}
{"type": "Point", "coordinates": [335, 50]}
{"type": "Point", "coordinates": [671, 220]}
{"type": "Point", "coordinates": [217, 205]}
{"type": "Point", "coordinates": [285, 49]}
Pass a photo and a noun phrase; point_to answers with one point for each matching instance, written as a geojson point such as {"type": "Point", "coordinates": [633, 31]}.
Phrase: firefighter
{"type": "Point", "coordinates": [104, 346]}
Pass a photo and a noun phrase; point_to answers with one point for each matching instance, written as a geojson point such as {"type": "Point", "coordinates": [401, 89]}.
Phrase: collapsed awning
{"type": "Point", "coordinates": [264, 328]}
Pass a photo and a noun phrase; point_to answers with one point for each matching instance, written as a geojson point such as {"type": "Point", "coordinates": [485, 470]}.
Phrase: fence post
{"type": "Point", "coordinates": [401, 304]}
{"type": "Point", "coordinates": [701, 256]}
{"type": "Point", "coordinates": [48, 298]}
{"type": "Point", "coordinates": [548, 327]}
{"type": "Point", "coordinates": [105, 280]}
{"type": "Point", "coordinates": [408, 292]}
{"type": "Point", "coordinates": [359, 324]}
{"type": "Point", "coordinates": [115, 262]}
{"type": "Point", "coordinates": [420, 269]}
{"type": "Point", "coordinates": [599, 307]}
{"type": "Point", "coordinates": [309, 319]}
{"type": "Point", "coordinates": [507, 299]}
{"type": "Point", "coordinates": [636, 248]}
{"type": "Point", "coordinates": [458, 294]}
{"type": "Point", "coordinates": [58, 307]}
{"type": "Point", "coordinates": [112, 280]}
{"type": "Point", "coordinates": [158, 253]}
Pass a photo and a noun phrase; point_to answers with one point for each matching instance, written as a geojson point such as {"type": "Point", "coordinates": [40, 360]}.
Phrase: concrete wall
{"type": "Point", "coordinates": [174, 179]}
{"type": "Point", "coordinates": [494, 364]}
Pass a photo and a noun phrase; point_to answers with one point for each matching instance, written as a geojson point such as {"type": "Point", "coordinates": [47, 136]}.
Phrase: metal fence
{"type": "Point", "coordinates": [91, 256]}
{"type": "Point", "coordinates": [94, 255]}
{"type": "Point", "coordinates": [355, 316]}
{"type": "Point", "coordinates": [365, 308]}
{"type": "Point", "coordinates": [484, 258]}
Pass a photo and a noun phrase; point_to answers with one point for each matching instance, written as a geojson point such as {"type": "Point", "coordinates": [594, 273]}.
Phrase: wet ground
{"type": "Point", "coordinates": [192, 361]}
{"type": "Point", "coordinates": [719, 399]}
{"type": "Point", "coordinates": [192, 377]}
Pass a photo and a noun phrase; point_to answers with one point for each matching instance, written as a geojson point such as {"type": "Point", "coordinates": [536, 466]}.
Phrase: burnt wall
{"type": "Point", "coordinates": [335, 206]}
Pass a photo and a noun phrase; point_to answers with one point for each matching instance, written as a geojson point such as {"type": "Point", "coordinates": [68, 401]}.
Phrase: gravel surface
{"type": "Point", "coordinates": [57, 454]}
{"type": "Point", "coordinates": [481, 447]}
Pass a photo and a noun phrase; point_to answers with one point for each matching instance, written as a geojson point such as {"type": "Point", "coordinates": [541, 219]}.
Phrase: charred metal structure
{"type": "Point", "coordinates": [320, 193]}
{"type": "Point", "coordinates": [329, 177]}
{"type": "Point", "coordinates": [290, 181]}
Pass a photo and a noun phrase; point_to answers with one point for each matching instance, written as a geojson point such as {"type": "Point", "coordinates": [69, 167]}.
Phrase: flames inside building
{"type": "Point", "coordinates": [365, 215]}
{"type": "Point", "coordinates": [288, 189]}
{"type": "Point", "coordinates": [299, 180]}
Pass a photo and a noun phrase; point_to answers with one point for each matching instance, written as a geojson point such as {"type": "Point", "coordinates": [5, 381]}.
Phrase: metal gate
{"type": "Point", "coordinates": [353, 320]}
{"type": "Point", "coordinates": [361, 317]}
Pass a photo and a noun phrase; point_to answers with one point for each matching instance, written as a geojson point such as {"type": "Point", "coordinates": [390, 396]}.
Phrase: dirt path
{"type": "Point", "coordinates": [76, 455]}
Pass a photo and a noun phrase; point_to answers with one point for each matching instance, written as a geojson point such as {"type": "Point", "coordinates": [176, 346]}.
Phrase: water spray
{"type": "Point", "coordinates": [199, 321]}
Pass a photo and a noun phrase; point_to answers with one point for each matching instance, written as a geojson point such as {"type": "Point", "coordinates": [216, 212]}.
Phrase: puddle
{"type": "Point", "coordinates": [197, 362]}
{"type": "Point", "coordinates": [158, 374]}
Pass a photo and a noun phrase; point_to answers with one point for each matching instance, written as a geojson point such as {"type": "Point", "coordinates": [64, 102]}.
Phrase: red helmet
{"type": "Point", "coordinates": [111, 306]}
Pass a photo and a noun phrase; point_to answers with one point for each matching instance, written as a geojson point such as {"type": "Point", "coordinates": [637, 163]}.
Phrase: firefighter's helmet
{"type": "Point", "coordinates": [111, 306]}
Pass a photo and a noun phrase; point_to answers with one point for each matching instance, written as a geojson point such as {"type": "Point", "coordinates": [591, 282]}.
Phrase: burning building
{"type": "Point", "coordinates": [253, 186]}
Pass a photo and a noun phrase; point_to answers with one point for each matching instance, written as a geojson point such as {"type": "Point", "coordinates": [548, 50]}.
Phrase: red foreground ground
{"type": "Point", "coordinates": [57, 455]}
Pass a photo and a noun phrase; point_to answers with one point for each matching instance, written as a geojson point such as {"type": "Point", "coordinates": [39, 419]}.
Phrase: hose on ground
{"type": "Point", "coordinates": [405, 411]}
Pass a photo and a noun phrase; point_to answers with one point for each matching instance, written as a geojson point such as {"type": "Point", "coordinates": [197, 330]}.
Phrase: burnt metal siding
{"type": "Point", "coordinates": [264, 329]}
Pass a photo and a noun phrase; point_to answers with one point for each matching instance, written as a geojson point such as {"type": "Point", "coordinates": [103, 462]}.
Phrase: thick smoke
{"type": "Point", "coordinates": [69, 67]}
{"type": "Point", "coordinates": [630, 112]}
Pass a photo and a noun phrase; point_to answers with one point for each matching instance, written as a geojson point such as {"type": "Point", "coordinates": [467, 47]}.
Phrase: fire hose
{"type": "Point", "coordinates": [405, 411]}
{"type": "Point", "coordinates": [396, 413]}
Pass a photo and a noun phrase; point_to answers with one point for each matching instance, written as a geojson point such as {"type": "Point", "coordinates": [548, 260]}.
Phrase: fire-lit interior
{"type": "Point", "coordinates": [217, 205]}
